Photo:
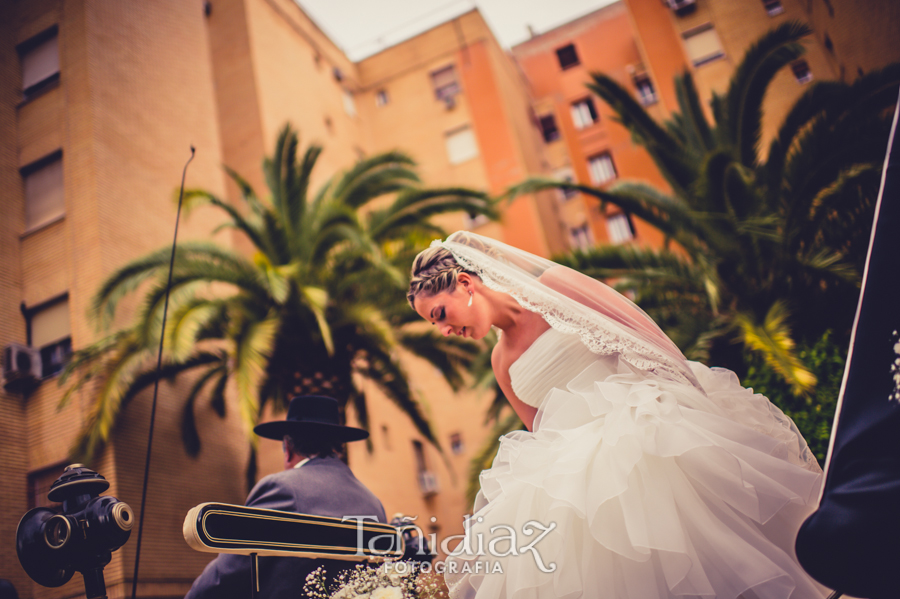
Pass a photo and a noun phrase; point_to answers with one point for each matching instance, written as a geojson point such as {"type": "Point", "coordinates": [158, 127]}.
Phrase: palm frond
{"type": "Point", "coordinates": [189, 435]}
{"type": "Point", "coordinates": [316, 299]}
{"type": "Point", "coordinates": [634, 262]}
{"type": "Point", "coordinates": [415, 206]}
{"type": "Point", "coordinates": [187, 320]}
{"type": "Point", "coordinates": [124, 378]}
{"type": "Point", "coordinates": [247, 192]}
{"type": "Point", "coordinates": [386, 372]}
{"type": "Point", "coordinates": [451, 356]}
{"type": "Point", "coordinates": [768, 55]}
{"type": "Point", "coordinates": [197, 197]}
{"type": "Point", "coordinates": [667, 153]}
{"type": "Point", "coordinates": [253, 347]}
{"type": "Point", "coordinates": [772, 339]}
{"type": "Point", "coordinates": [355, 177]}
{"type": "Point", "coordinates": [693, 124]}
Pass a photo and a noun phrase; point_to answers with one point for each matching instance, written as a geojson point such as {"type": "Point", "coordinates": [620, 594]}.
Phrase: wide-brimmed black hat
{"type": "Point", "coordinates": [311, 416]}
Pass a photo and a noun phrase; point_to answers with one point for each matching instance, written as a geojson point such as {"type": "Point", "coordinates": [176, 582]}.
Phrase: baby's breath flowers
{"type": "Point", "coordinates": [390, 580]}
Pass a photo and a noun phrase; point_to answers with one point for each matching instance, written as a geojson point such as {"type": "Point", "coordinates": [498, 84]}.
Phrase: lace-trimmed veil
{"type": "Point", "coordinates": [573, 303]}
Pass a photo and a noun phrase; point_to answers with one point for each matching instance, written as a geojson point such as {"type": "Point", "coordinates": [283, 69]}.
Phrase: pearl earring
{"type": "Point", "coordinates": [470, 299]}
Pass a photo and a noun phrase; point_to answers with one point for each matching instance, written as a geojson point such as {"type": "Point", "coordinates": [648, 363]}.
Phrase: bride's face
{"type": "Point", "coordinates": [451, 313]}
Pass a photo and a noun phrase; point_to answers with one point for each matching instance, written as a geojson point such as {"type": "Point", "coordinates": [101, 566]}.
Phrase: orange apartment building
{"type": "Point", "coordinates": [99, 103]}
{"type": "Point", "coordinates": [710, 37]}
{"type": "Point", "coordinates": [644, 44]}
{"type": "Point", "coordinates": [582, 141]}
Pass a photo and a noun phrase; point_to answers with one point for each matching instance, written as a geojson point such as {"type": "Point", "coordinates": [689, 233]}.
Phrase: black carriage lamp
{"type": "Point", "coordinates": [54, 544]}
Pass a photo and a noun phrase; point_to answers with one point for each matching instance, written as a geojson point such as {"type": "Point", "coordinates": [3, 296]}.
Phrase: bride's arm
{"type": "Point", "coordinates": [525, 412]}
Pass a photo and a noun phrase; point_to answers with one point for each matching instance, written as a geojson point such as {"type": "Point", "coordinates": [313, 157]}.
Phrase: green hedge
{"type": "Point", "coordinates": [813, 414]}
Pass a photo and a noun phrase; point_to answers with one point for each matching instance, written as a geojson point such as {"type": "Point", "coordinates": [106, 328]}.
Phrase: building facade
{"type": "Point", "coordinates": [101, 101]}
{"type": "Point", "coordinates": [708, 38]}
{"type": "Point", "coordinates": [582, 141]}
{"type": "Point", "coordinates": [644, 45]}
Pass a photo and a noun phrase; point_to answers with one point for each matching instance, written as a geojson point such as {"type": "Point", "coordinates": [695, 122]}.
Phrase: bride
{"type": "Point", "coordinates": [642, 475]}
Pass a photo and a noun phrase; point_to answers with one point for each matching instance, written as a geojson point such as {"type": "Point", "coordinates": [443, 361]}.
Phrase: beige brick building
{"type": "Point", "coordinates": [99, 104]}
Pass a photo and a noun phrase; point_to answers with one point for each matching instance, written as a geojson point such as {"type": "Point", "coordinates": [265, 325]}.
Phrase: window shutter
{"type": "Point", "coordinates": [44, 197]}
{"type": "Point", "coordinates": [50, 324]}
{"type": "Point", "coordinates": [41, 62]}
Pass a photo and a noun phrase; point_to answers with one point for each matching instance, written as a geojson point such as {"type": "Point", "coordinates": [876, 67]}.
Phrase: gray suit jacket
{"type": "Point", "coordinates": [322, 486]}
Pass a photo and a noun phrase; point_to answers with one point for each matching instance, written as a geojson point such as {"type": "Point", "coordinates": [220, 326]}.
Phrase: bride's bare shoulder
{"type": "Point", "coordinates": [511, 346]}
{"type": "Point", "coordinates": [499, 353]}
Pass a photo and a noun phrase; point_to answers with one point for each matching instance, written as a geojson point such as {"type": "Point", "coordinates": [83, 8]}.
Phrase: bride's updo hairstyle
{"type": "Point", "coordinates": [434, 270]}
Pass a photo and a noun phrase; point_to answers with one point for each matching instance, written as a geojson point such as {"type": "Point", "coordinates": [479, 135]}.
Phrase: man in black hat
{"type": "Point", "coordinates": [314, 481]}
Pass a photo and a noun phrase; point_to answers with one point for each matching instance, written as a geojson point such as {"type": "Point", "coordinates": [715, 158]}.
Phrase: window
{"type": "Point", "coordinates": [444, 83]}
{"type": "Point", "coordinates": [39, 57]}
{"type": "Point", "coordinates": [646, 92]}
{"type": "Point", "coordinates": [428, 483]}
{"type": "Point", "coordinates": [548, 128]}
{"type": "Point", "coordinates": [473, 221]}
{"type": "Point", "coordinates": [620, 228]}
{"type": "Point", "coordinates": [567, 56]}
{"type": "Point", "coordinates": [44, 197]}
{"type": "Point", "coordinates": [801, 71]}
{"type": "Point", "coordinates": [50, 332]}
{"type": "Point", "coordinates": [419, 451]}
{"type": "Point", "coordinates": [381, 98]}
{"type": "Point", "coordinates": [583, 113]}
{"type": "Point", "coordinates": [602, 168]}
{"type": "Point", "coordinates": [565, 175]}
{"type": "Point", "coordinates": [349, 103]}
{"type": "Point", "coordinates": [702, 44]}
{"type": "Point", "coordinates": [581, 237]}
{"type": "Point", "coordinates": [461, 145]}
{"type": "Point", "coordinates": [682, 7]}
{"type": "Point", "coordinates": [456, 444]}
{"type": "Point", "coordinates": [773, 7]}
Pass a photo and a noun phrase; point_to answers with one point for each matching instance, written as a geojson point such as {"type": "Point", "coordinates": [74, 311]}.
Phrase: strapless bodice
{"type": "Point", "coordinates": [550, 362]}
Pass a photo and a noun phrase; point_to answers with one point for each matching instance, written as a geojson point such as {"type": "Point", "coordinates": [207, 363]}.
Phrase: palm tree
{"type": "Point", "coordinates": [768, 247]}
{"type": "Point", "coordinates": [311, 310]}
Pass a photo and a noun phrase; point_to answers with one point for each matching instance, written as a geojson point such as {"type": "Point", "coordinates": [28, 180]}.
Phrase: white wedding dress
{"type": "Point", "coordinates": [650, 487]}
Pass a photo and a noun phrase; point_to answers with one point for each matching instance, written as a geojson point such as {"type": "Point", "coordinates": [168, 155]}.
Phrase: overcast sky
{"type": "Point", "coordinates": [363, 27]}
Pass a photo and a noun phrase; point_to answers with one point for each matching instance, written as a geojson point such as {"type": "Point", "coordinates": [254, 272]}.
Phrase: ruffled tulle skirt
{"type": "Point", "coordinates": [643, 489]}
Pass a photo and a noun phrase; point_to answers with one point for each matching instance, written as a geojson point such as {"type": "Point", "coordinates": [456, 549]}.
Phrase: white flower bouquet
{"type": "Point", "coordinates": [390, 580]}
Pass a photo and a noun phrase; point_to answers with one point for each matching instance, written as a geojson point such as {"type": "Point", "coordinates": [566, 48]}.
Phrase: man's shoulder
{"type": "Point", "coordinates": [316, 468]}
{"type": "Point", "coordinates": [324, 486]}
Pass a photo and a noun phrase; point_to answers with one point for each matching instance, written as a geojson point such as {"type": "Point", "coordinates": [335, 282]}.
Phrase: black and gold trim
{"type": "Point", "coordinates": [237, 529]}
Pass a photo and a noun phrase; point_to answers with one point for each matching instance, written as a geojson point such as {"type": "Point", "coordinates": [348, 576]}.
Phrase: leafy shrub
{"type": "Point", "coordinates": [813, 413]}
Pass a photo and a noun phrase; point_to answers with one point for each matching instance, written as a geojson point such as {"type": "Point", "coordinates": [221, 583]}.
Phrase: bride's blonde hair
{"type": "Point", "coordinates": [434, 270]}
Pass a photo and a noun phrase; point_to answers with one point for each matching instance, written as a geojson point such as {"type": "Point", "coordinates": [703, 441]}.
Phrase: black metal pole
{"type": "Point", "coordinates": [254, 576]}
{"type": "Point", "coordinates": [162, 336]}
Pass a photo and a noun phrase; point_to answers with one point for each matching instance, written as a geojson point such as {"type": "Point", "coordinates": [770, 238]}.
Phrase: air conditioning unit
{"type": "Point", "coordinates": [21, 366]}
{"type": "Point", "coordinates": [682, 6]}
{"type": "Point", "coordinates": [428, 483]}
{"type": "Point", "coordinates": [450, 101]}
